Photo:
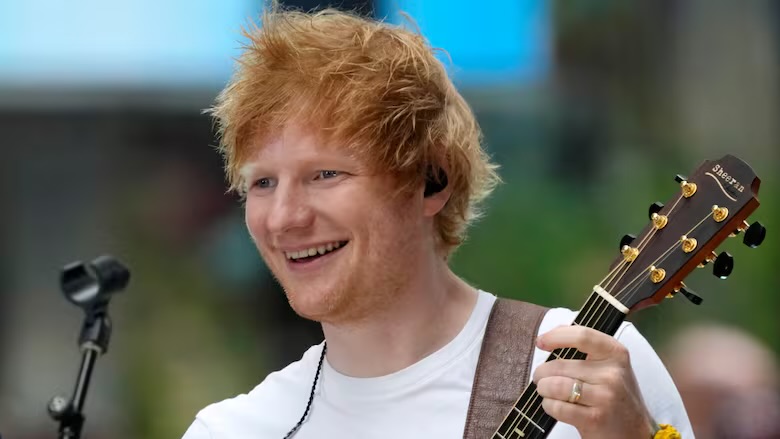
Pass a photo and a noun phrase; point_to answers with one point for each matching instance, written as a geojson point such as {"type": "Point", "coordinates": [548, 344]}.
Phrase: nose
{"type": "Point", "coordinates": [289, 210]}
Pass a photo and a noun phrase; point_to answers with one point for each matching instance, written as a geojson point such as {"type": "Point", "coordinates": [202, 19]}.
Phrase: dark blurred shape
{"type": "Point", "coordinates": [364, 7]}
{"type": "Point", "coordinates": [749, 416]}
{"type": "Point", "coordinates": [606, 55]}
{"type": "Point", "coordinates": [729, 382]}
{"type": "Point", "coordinates": [5, 255]}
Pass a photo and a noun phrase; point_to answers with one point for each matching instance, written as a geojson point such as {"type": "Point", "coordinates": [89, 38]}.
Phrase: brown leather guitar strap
{"type": "Point", "coordinates": [504, 365]}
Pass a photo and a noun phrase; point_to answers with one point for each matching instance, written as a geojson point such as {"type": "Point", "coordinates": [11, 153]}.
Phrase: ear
{"type": "Point", "coordinates": [437, 191]}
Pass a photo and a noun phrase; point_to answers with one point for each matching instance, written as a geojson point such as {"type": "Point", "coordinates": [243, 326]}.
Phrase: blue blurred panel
{"type": "Point", "coordinates": [490, 42]}
{"type": "Point", "coordinates": [120, 42]}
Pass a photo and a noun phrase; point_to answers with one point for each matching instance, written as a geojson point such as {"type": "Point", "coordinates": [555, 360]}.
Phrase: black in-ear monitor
{"type": "Point", "coordinates": [435, 181]}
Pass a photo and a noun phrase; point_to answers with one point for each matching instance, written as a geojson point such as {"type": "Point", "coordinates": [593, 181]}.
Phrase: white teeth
{"type": "Point", "coordinates": [322, 249]}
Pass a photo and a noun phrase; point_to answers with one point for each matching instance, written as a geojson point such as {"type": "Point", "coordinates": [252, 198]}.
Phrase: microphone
{"type": "Point", "coordinates": [92, 284]}
{"type": "Point", "coordinates": [90, 287]}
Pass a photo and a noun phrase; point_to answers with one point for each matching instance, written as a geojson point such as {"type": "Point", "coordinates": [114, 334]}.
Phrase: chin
{"type": "Point", "coordinates": [313, 304]}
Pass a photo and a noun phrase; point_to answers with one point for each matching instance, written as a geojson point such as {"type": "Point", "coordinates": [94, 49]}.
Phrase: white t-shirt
{"type": "Point", "coordinates": [428, 399]}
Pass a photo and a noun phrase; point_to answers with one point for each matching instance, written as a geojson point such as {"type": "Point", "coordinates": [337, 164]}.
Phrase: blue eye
{"type": "Point", "coordinates": [322, 175]}
{"type": "Point", "coordinates": [263, 183]}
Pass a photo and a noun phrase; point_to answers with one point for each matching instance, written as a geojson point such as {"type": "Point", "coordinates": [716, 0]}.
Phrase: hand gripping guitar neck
{"type": "Point", "coordinates": [710, 206]}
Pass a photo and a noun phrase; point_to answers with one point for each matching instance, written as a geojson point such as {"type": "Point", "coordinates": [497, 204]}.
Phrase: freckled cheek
{"type": "Point", "coordinates": [342, 203]}
{"type": "Point", "coordinates": [254, 217]}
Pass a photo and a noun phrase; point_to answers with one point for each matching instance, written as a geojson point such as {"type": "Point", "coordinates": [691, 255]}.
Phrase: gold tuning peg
{"type": "Point", "coordinates": [712, 256]}
{"type": "Point", "coordinates": [740, 229]}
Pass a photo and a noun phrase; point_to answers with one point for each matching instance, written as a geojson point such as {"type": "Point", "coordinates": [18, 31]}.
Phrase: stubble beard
{"type": "Point", "coordinates": [352, 299]}
{"type": "Point", "coordinates": [365, 287]}
{"type": "Point", "coordinates": [370, 282]}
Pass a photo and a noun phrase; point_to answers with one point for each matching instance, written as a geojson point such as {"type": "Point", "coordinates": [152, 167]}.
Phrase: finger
{"type": "Point", "coordinates": [577, 415]}
{"type": "Point", "coordinates": [563, 389]}
{"type": "Point", "coordinates": [589, 371]}
{"type": "Point", "coordinates": [575, 369]}
{"type": "Point", "coordinates": [594, 343]}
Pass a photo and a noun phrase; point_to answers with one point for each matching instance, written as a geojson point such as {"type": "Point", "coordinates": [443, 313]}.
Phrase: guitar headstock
{"type": "Point", "coordinates": [712, 204]}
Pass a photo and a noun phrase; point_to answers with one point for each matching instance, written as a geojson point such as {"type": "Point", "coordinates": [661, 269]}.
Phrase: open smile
{"type": "Point", "coordinates": [312, 254]}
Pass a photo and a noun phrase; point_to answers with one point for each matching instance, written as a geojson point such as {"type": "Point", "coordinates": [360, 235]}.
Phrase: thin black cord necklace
{"type": "Point", "coordinates": [311, 395]}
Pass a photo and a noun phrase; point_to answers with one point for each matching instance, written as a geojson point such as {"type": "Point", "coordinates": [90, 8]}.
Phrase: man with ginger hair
{"type": "Point", "coordinates": [362, 167]}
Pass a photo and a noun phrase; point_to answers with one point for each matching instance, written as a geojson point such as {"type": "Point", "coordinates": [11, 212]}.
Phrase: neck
{"type": "Point", "coordinates": [422, 318]}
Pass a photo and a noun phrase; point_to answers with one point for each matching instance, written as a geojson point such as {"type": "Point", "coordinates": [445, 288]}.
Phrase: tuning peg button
{"type": "Point", "coordinates": [654, 208]}
{"type": "Point", "coordinates": [679, 178]}
{"type": "Point", "coordinates": [754, 235]}
{"type": "Point", "coordinates": [691, 296]}
{"type": "Point", "coordinates": [723, 265]}
{"type": "Point", "coordinates": [626, 240]}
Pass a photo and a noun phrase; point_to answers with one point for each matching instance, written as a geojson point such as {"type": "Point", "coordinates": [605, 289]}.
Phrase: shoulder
{"type": "Point", "coordinates": [270, 409]}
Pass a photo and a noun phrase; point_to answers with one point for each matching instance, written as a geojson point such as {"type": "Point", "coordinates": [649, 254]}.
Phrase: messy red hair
{"type": "Point", "coordinates": [375, 88]}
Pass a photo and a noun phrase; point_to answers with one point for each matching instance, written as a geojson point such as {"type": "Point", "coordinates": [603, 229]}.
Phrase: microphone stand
{"type": "Point", "coordinates": [89, 287]}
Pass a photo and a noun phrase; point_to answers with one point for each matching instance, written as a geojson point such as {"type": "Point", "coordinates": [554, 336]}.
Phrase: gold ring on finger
{"type": "Point", "coordinates": [576, 392]}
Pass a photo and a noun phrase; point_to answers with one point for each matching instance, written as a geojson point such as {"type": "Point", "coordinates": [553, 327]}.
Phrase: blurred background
{"type": "Point", "coordinates": [590, 107]}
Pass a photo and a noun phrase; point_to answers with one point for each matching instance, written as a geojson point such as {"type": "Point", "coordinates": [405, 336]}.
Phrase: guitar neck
{"type": "Point", "coordinates": [527, 419]}
{"type": "Point", "coordinates": [682, 234]}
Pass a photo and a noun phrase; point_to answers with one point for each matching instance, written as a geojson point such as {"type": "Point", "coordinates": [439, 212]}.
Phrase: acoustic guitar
{"type": "Point", "coordinates": [712, 204]}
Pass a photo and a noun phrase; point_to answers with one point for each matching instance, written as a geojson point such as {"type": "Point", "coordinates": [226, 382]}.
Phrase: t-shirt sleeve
{"type": "Point", "coordinates": [197, 430]}
{"type": "Point", "coordinates": [658, 390]}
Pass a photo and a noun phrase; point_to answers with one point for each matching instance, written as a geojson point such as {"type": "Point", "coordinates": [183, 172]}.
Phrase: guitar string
{"type": "Point", "coordinates": [608, 279]}
{"type": "Point", "coordinates": [665, 255]}
{"type": "Point", "coordinates": [649, 236]}
{"type": "Point", "coordinates": [522, 412]}
{"type": "Point", "coordinates": [621, 267]}
{"type": "Point", "coordinates": [622, 292]}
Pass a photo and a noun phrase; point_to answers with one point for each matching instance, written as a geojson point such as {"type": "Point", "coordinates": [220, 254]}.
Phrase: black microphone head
{"type": "Point", "coordinates": [112, 275]}
{"type": "Point", "coordinates": [87, 285]}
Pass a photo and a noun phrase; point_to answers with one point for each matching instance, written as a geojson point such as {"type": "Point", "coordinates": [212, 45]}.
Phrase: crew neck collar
{"type": "Point", "coordinates": [335, 385]}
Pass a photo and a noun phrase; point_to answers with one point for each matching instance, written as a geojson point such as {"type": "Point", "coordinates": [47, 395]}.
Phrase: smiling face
{"type": "Point", "coordinates": [331, 230]}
